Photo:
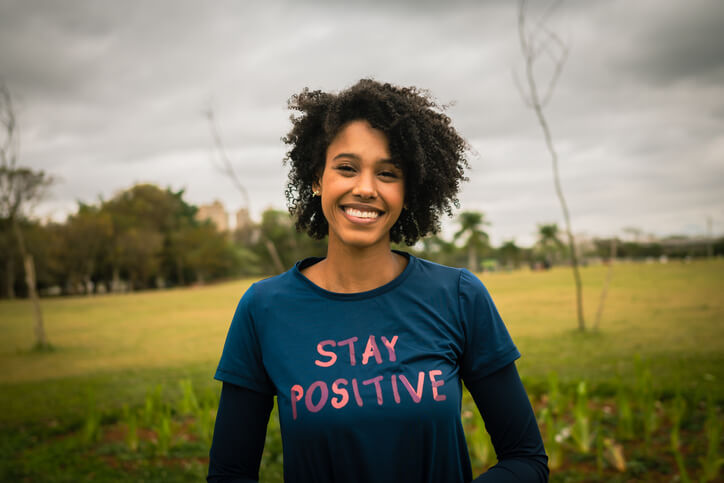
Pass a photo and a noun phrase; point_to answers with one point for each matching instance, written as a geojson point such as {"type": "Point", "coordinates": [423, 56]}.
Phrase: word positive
{"type": "Point", "coordinates": [317, 395]}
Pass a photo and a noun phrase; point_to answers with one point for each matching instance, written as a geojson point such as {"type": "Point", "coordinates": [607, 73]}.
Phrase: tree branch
{"type": "Point", "coordinates": [522, 93]}
{"type": "Point", "coordinates": [559, 62]}
{"type": "Point", "coordinates": [8, 152]}
{"type": "Point", "coordinates": [226, 167]}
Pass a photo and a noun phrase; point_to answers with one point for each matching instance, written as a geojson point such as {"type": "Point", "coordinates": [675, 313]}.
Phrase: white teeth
{"type": "Point", "coordinates": [361, 214]}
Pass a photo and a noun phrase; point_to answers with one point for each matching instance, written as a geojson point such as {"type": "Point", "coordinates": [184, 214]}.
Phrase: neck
{"type": "Point", "coordinates": [349, 270]}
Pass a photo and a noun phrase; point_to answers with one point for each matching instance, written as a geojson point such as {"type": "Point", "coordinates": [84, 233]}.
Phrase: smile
{"type": "Point", "coordinates": [360, 215]}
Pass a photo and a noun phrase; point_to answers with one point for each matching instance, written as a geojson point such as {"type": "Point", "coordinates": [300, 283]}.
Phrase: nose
{"type": "Point", "coordinates": [365, 186]}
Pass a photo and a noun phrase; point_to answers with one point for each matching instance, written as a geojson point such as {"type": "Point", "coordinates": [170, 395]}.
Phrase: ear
{"type": "Point", "coordinates": [317, 185]}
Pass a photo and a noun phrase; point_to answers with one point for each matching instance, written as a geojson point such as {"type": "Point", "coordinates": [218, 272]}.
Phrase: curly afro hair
{"type": "Point", "coordinates": [431, 153]}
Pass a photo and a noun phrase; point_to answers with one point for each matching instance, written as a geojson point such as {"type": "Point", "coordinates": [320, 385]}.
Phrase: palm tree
{"type": "Point", "coordinates": [548, 241]}
{"type": "Point", "coordinates": [438, 249]}
{"type": "Point", "coordinates": [510, 253]}
{"type": "Point", "coordinates": [471, 223]}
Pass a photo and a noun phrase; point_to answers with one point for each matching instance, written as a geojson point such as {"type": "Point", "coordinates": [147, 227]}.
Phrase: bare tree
{"type": "Point", "coordinates": [19, 188]}
{"type": "Point", "coordinates": [538, 42]}
{"type": "Point", "coordinates": [709, 237]}
{"type": "Point", "coordinates": [606, 283]}
{"type": "Point", "coordinates": [227, 169]}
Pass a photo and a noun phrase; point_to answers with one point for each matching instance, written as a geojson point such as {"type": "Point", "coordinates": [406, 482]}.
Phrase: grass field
{"type": "Point", "coordinates": [111, 350]}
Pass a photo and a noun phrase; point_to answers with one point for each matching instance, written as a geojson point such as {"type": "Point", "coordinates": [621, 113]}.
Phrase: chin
{"type": "Point", "coordinates": [362, 241]}
{"type": "Point", "coordinates": [362, 244]}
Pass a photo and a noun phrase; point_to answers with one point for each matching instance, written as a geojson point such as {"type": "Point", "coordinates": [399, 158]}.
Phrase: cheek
{"type": "Point", "coordinates": [399, 198]}
{"type": "Point", "coordinates": [329, 203]}
{"type": "Point", "coordinates": [326, 208]}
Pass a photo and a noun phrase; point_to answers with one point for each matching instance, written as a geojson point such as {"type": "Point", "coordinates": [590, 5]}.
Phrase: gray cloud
{"type": "Point", "coordinates": [110, 93]}
{"type": "Point", "coordinates": [679, 41]}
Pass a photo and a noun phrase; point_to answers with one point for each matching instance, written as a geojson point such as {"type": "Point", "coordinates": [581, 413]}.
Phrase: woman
{"type": "Point", "coordinates": [366, 349]}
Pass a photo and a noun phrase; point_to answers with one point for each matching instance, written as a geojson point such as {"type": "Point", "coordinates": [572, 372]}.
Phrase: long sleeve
{"type": "Point", "coordinates": [510, 421]}
{"type": "Point", "coordinates": [239, 435]}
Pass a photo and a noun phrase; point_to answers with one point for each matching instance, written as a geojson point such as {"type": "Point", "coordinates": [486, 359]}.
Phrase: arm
{"type": "Point", "coordinates": [509, 419]}
{"type": "Point", "coordinates": [239, 435]}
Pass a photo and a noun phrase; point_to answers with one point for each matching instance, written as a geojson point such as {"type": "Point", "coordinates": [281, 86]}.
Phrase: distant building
{"type": "Point", "coordinates": [216, 213]}
{"type": "Point", "coordinates": [242, 219]}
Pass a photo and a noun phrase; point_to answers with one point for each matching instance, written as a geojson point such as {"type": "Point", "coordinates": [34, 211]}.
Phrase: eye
{"type": "Point", "coordinates": [345, 169]}
{"type": "Point", "coordinates": [388, 174]}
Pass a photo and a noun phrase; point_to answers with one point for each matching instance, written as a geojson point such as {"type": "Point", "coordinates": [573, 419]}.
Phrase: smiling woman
{"type": "Point", "coordinates": [366, 349]}
{"type": "Point", "coordinates": [362, 189]}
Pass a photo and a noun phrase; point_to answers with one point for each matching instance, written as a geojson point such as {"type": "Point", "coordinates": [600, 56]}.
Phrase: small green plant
{"type": "Point", "coordinates": [481, 447]}
{"type": "Point", "coordinates": [554, 434]}
{"type": "Point", "coordinates": [205, 418]}
{"type": "Point", "coordinates": [647, 401]}
{"type": "Point", "coordinates": [92, 423]}
{"type": "Point", "coordinates": [581, 432]}
{"type": "Point", "coordinates": [614, 454]}
{"type": "Point", "coordinates": [557, 401]}
{"type": "Point", "coordinates": [678, 408]}
{"type": "Point", "coordinates": [625, 418]}
{"type": "Point", "coordinates": [189, 404]}
{"type": "Point", "coordinates": [209, 398]}
{"type": "Point", "coordinates": [131, 422]}
{"type": "Point", "coordinates": [163, 433]}
{"type": "Point", "coordinates": [712, 461]}
{"type": "Point", "coordinates": [152, 406]}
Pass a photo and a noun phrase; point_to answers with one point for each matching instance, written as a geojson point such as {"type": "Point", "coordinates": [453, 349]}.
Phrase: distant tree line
{"type": "Point", "coordinates": [144, 237]}
{"type": "Point", "coordinates": [147, 237]}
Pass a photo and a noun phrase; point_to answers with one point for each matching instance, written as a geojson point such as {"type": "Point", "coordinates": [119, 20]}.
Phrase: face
{"type": "Point", "coordinates": [362, 189]}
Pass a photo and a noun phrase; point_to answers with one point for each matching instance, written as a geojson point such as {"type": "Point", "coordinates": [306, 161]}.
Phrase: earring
{"type": "Point", "coordinates": [315, 193]}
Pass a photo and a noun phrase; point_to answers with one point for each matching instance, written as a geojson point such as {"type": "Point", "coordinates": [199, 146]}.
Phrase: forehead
{"type": "Point", "coordinates": [360, 138]}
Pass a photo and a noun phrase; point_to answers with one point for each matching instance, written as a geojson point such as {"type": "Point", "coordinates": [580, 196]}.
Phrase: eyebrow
{"type": "Point", "coordinates": [357, 158]}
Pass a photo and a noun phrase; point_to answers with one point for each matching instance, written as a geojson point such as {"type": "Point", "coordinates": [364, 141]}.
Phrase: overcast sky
{"type": "Point", "coordinates": [109, 94]}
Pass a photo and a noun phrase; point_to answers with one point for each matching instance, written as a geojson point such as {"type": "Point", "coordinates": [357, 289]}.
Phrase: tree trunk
{"type": "Point", "coordinates": [564, 206]}
{"type": "Point", "coordinates": [31, 282]}
{"type": "Point", "coordinates": [278, 266]}
{"type": "Point", "coordinates": [41, 339]}
{"type": "Point", "coordinates": [88, 285]}
{"type": "Point", "coordinates": [116, 281]}
{"type": "Point", "coordinates": [473, 259]}
{"type": "Point", "coordinates": [10, 266]}
{"type": "Point", "coordinates": [606, 283]}
{"type": "Point", "coordinates": [180, 272]}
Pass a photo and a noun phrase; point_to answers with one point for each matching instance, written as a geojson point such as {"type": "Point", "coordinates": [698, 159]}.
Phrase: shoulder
{"type": "Point", "coordinates": [268, 289]}
{"type": "Point", "coordinates": [455, 282]}
{"type": "Point", "coordinates": [447, 285]}
{"type": "Point", "coordinates": [277, 282]}
{"type": "Point", "coordinates": [436, 273]}
{"type": "Point", "coordinates": [461, 279]}
{"type": "Point", "coordinates": [469, 282]}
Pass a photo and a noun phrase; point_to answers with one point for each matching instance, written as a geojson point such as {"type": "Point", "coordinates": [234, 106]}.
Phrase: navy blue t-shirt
{"type": "Point", "coordinates": [368, 384]}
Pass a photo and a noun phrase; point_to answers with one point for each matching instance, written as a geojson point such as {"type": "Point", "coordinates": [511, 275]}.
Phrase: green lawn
{"type": "Point", "coordinates": [112, 349]}
{"type": "Point", "coordinates": [670, 315]}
